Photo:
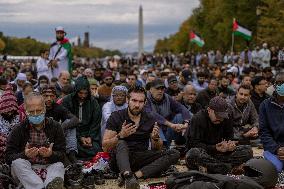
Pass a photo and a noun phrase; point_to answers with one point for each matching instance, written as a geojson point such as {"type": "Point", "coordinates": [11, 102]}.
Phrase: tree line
{"type": "Point", "coordinates": [31, 47]}
{"type": "Point", "coordinates": [213, 20]}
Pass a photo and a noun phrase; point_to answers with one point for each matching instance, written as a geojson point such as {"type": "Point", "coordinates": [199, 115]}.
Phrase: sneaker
{"type": "Point", "coordinates": [130, 181]}
{"type": "Point", "coordinates": [56, 183]}
{"type": "Point", "coordinates": [88, 182]}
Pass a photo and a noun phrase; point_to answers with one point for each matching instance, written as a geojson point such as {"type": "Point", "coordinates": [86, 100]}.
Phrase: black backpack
{"type": "Point", "coordinates": [198, 180]}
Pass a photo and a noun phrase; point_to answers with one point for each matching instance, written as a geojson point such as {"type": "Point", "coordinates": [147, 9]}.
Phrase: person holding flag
{"type": "Point", "coordinates": [60, 54]}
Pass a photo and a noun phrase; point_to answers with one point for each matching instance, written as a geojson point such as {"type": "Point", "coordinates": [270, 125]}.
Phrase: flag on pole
{"type": "Point", "coordinates": [194, 38]}
{"type": "Point", "coordinates": [241, 31]}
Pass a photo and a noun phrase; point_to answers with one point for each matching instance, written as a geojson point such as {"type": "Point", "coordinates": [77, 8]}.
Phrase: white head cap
{"type": "Point", "coordinates": [264, 45]}
{"type": "Point", "coordinates": [59, 28]}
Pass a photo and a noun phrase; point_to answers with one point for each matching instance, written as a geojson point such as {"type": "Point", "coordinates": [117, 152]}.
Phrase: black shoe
{"type": "Point", "coordinates": [88, 182]}
{"type": "Point", "coordinates": [72, 156]}
{"type": "Point", "coordinates": [98, 177]}
{"type": "Point", "coordinates": [56, 183]}
{"type": "Point", "coordinates": [120, 180]}
{"type": "Point", "coordinates": [130, 181]}
{"type": "Point", "coordinates": [73, 176]}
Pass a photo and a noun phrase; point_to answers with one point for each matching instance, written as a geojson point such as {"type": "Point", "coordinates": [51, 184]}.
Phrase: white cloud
{"type": "Point", "coordinates": [100, 12]}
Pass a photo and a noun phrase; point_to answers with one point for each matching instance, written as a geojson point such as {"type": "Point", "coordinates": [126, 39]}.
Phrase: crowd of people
{"type": "Point", "coordinates": [145, 112]}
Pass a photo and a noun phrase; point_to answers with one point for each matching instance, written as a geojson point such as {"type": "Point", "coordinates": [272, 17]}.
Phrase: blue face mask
{"type": "Point", "coordinates": [280, 89]}
{"type": "Point", "coordinates": [36, 120]}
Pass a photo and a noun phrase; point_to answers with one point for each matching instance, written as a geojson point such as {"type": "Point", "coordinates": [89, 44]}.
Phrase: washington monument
{"type": "Point", "coordinates": [141, 33]}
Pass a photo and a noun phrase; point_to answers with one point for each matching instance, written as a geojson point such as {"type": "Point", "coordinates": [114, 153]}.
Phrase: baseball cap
{"type": "Point", "coordinates": [186, 74]}
{"type": "Point", "coordinates": [220, 107]}
{"type": "Point", "coordinates": [172, 79]}
{"type": "Point", "coordinates": [157, 83]}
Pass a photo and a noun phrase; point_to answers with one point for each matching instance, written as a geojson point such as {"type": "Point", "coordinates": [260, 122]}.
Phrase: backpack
{"type": "Point", "coordinates": [198, 180]}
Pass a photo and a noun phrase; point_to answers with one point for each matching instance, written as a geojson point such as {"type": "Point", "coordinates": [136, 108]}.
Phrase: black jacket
{"type": "Point", "coordinates": [20, 135]}
{"type": "Point", "coordinates": [257, 100]}
{"type": "Point", "coordinates": [204, 134]}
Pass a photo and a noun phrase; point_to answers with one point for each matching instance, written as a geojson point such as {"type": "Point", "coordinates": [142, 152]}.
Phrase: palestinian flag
{"type": "Point", "coordinates": [196, 39]}
{"type": "Point", "coordinates": [67, 46]}
{"type": "Point", "coordinates": [241, 31]}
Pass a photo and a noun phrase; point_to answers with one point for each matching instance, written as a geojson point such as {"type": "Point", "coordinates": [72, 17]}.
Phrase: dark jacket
{"type": "Point", "coordinates": [205, 96]}
{"type": "Point", "coordinates": [257, 100]}
{"type": "Point", "coordinates": [202, 133]}
{"type": "Point", "coordinates": [91, 115]}
{"type": "Point", "coordinates": [60, 114]}
{"type": "Point", "coordinates": [193, 108]}
{"type": "Point", "coordinates": [243, 117]}
{"type": "Point", "coordinates": [19, 137]}
{"type": "Point", "coordinates": [271, 125]}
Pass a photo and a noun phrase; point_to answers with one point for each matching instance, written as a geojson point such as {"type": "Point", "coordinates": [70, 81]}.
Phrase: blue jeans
{"type": "Point", "coordinates": [168, 134]}
{"type": "Point", "coordinates": [274, 160]}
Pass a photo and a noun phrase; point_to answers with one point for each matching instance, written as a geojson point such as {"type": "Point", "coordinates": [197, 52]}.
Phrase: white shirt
{"type": "Point", "coordinates": [42, 68]}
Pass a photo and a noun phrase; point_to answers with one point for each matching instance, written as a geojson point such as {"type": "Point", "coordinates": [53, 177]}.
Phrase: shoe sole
{"type": "Point", "coordinates": [57, 183]}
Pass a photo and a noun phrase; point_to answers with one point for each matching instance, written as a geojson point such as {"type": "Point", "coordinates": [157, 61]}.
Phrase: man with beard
{"type": "Point", "coordinates": [207, 94]}
{"type": "Point", "coordinates": [127, 135]}
{"type": "Point", "coordinates": [117, 102]}
{"type": "Point", "coordinates": [86, 108]}
{"type": "Point", "coordinates": [60, 55]}
{"type": "Point", "coordinates": [189, 99]}
{"type": "Point", "coordinates": [171, 115]}
{"type": "Point", "coordinates": [200, 84]}
{"type": "Point", "coordinates": [210, 140]}
{"type": "Point", "coordinates": [105, 89]}
{"type": "Point", "coordinates": [36, 148]}
{"type": "Point", "coordinates": [224, 90]}
{"type": "Point", "coordinates": [244, 115]}
{"type": "Point", "coordinates": [60, 114]}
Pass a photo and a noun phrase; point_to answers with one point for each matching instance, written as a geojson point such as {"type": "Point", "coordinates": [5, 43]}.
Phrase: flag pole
{"type": "Point", "coordinates": [233, 37]}
{"type": "Point", "coordinates": [233, 40]}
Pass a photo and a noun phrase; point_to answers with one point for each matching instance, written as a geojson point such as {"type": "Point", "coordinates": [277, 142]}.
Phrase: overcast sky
{"type": "Point", "coordinates": [112, 24]}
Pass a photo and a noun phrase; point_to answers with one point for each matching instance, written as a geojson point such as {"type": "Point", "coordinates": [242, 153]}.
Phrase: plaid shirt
{"type": "Point", "coordinates": [38, 139]}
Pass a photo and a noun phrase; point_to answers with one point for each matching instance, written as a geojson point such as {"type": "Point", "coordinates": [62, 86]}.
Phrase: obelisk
{"type": "Point", "coordinates": [141, 33]}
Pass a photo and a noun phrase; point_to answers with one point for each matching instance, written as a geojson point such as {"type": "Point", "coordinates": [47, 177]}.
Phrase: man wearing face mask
{"type": "Point", "coordinates": [36, 148]}
{"type": "Point", "coordinates": [209, 139]}
{"type": "Point", "coordinates": [86, 108]}
{"type": "Point", "coordinates": [60, 54]}
{"type": "Point", "coordinates": [271, 121]}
